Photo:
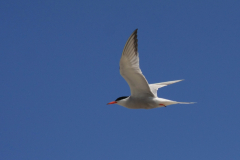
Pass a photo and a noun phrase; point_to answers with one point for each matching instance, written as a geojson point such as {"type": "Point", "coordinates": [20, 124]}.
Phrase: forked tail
{"type": "Point", "coordinates": [186, 102]}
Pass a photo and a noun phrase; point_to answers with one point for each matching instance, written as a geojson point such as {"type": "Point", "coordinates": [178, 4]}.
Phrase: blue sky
{"type": "Point", "coordinates": [59, 66]}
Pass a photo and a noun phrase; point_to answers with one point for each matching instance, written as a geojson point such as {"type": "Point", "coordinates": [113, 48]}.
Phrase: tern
{"type": "Point", "coordinates": [143, 95]}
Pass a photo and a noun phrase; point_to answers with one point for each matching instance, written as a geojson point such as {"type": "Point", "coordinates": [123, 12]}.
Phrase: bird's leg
{"type": "Point", "coordinates": [162, 105]}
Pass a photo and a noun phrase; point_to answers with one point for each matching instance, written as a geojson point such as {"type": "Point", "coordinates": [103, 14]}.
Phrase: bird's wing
{"type": "Point", "coordinates": [129, 68]}
{"type": "Point", "coordinates": [154, 87]}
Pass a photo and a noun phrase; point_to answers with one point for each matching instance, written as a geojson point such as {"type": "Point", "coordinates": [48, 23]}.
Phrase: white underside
{"type": "Point", "coordinates": [145, 102]}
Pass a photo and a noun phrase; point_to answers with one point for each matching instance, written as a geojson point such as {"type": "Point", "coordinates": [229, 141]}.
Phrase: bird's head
{"type": "Point", "coordinates": [121, 100]}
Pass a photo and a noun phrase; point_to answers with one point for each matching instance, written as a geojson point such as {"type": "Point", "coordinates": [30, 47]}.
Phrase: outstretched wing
{"type": "Point", "coordinates": [129, 68]}
{"type": "Point", "coordinates": [154, 87]}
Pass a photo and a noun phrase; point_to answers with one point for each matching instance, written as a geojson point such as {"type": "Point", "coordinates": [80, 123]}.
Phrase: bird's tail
{"type": "Point", "coordinates": [186, 102]}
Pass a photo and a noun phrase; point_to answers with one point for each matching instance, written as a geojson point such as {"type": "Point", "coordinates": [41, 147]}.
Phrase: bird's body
{"type": "Point", "coordinates": [143, 95]}
{"type": "Point", "coordinates": [145, 102]}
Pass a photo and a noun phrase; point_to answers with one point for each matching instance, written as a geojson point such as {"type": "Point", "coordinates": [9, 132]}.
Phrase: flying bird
{"type": "Point", "coordinates": [143, 95]}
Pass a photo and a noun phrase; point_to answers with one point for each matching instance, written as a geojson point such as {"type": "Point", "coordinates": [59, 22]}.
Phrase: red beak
{"type": "Point", "coordinates": [113, 102]}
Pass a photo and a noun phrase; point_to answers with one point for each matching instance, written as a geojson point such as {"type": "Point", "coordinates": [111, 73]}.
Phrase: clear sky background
{"type": "Point", "coordinates": [59, 66]}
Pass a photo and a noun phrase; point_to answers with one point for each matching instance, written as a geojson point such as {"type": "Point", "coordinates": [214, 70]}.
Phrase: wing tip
{"type": "Point", "coordinates": [132, 43]}
{"type": "Point", "coordinates": [134, 33]}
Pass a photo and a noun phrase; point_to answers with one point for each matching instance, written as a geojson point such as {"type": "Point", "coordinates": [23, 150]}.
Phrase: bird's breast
{"type": "Point", "coordinates": [141, 103]}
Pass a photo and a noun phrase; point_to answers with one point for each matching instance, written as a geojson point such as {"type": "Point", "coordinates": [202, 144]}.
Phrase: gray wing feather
{"type": "Point", "coordinates": [129, 68]}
